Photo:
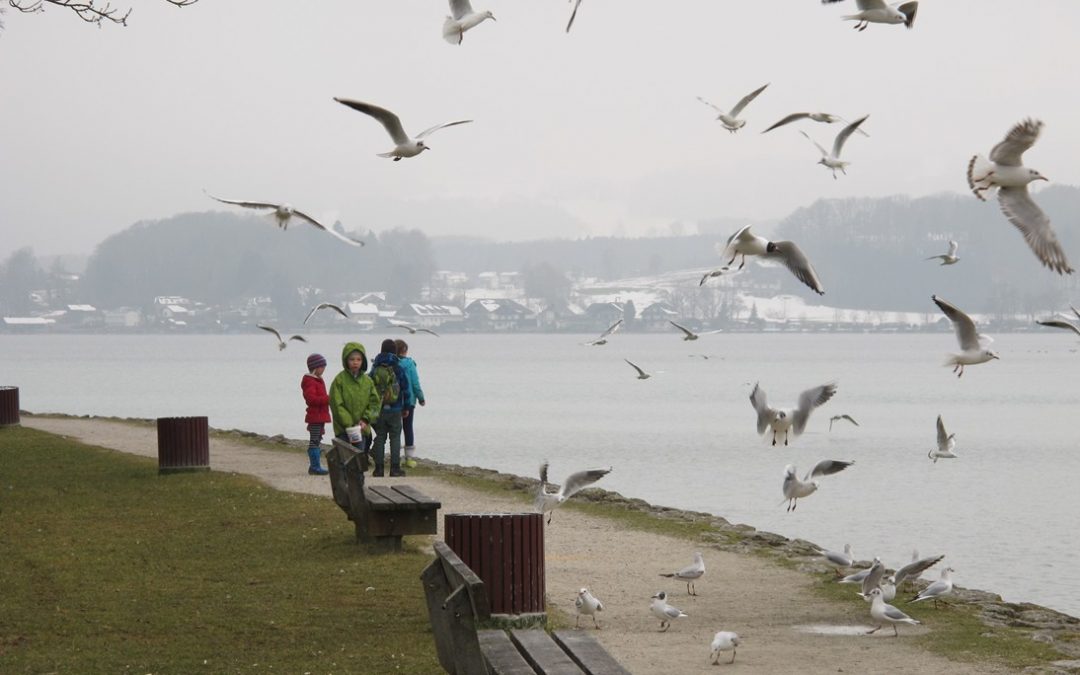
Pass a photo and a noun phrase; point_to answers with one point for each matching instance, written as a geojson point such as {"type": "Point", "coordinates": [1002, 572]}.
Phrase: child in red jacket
{"type": "Point", "coordinates": [318, 409]}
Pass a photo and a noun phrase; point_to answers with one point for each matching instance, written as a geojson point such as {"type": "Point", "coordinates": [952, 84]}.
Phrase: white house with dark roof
{"type": "Point", "coordinates": [430, 316]}
{"type": "Point", "coordinates": [496, 314]}
{"type": "Point", "coordinates": [656, 316]}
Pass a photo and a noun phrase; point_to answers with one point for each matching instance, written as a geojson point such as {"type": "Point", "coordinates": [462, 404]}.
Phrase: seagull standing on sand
{"type": "Point", "coordinates": [836, 418]}
{"type": "Point", "coordinates": [946, 443]}
{"type": "Point", "coordinates": [325, 305]}
{"type": "Point", "coordinates": [744, 243]}
{"type": "Point", "coordinates": [1006, 172]}
{"type": "Point", "coordinates": [832, 159]}
{"type": "Point", "coordinates": [546, 501]}
{"type": "Point", "coordinates": [283, 213]}
{"type": "Point", "coordinates": [815, 116]}
{"type": "Point", "coordinates": [885, 613]}
{"type": "Point", "coordinates": [462, 18]}
{"type": "Point", "coordinates": [938, 589]}
{"type": "Point", "coordinates": [973, 351]}
{"type": "Point", "coordinates": [665, 612]}
{"type": "Point", "coordinates": [950, 257]}
{"type": "Point", "coordinates": [876, 11]}
{"type": "Point", "coordinates": [587, 604]}
{"type": "Point", "coordinates": [730, 119]}
{"type": "Point", "coordinates": [281, 343]}
{"type": "Point", "coordinates": [602, 340]}
{"type": "Point", "coordinates": [690, 573]}
{"type": "Point", "coordinates": [1061, 323]}
{"type": "Point", "coordinates": [404, 146]}
{"type": "Point", "coordinates": [787, 421]}
{"type": "Point", "coordinates": [723, 641]}
{"type": "Point", "coordinates": [641, 374]}
{"type": "Point", "coordinates": [795, 489]}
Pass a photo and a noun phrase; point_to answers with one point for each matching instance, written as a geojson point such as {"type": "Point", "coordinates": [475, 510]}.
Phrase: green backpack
{"type": "Point", "coordinates": [386, 384]}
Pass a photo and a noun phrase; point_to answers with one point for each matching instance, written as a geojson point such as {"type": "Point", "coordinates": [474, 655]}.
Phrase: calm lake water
{"type": "Point", "coordinates": [1004, 513]}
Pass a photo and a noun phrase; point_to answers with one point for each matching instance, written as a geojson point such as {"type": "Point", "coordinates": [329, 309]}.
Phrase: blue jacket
{"type": "Point", "coordinates": [403, 380]}
{"type": "Point", "coordinates": [416, 394]}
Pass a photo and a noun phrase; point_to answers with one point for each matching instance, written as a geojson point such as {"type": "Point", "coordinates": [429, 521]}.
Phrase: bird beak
{"type": "Point", "coordinates": [1042, 177]}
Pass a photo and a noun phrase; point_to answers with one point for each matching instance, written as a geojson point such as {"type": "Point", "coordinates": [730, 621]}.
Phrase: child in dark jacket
{"type": "Point", "coordinates": [318, 410]}
{"type": "Point", "coordinates": [388, 425]}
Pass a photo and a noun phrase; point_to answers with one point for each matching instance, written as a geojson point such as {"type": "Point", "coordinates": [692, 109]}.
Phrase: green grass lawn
{"type": "Point", "coordinates": [107, 567]}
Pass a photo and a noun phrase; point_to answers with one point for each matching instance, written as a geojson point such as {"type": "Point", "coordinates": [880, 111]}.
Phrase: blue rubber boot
{"type": "Point", "coordinates": [314, 469]}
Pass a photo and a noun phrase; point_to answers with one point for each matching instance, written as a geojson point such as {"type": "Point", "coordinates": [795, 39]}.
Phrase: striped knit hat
{"type": "Point", "coordinates": [315, 361]}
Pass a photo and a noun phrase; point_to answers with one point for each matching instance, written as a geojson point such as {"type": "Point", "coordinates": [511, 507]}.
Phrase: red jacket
{"type": "Point", "coordinates": [318, 403]}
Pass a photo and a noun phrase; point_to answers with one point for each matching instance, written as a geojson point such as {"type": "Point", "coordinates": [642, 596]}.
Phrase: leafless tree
{"type": "Point", "coordinates": [90, 11]}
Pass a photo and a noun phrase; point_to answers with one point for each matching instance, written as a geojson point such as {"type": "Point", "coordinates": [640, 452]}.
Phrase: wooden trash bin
{"type": "Point", "coordinates": [506, 550]}
{"type": "Point", "coordinates": [9, 406]}
{"type": "Point", "coordinates": [183, 444]}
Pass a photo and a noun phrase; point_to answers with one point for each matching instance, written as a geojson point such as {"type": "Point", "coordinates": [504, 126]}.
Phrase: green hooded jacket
{"type": "Point", "coordinates": [353, 399]}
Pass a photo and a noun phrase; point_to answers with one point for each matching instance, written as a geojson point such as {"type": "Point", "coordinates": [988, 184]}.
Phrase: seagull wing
{"type": "Point", "coordinates": [787, 120]}
{"type": "Point", "coordinates": [611, 329]}
{"type": "Point", "coordinates": [933, 590]}
{"type": "Point", "coordinates": [239, 202]}
{"type": "Point", "coordinates": [824, 153]}
{"type": "Point", "coordinates": [543, 474]}
{"type": "Point", "coordinates": [795, 260]}
{"type": "Point", "coordinates": [873, 579]}
{"type": "Point", "coordinates": [688, 332]}
{"type": "Point", "coordinates": [1010, 151]}
{"type": "Point", "coordinates": [828, 467]}
{"type": "Point", "coordinates": [389, 120]}
{"type": "Point", "coordinates": [270, 329]}
{"type": "Point", "coordinates": [909, 9]}
{"type": "Point", "coordinates": [428, 330]}
{"type": "Point", "coordinates": [846, 132]}
{"type": "Point", "coordinates": [328, 230]}
{"type": "Point", "coordinates": [304, 216]}
{"type": "Point", "coordinates": [1055, 323]}
{"type": "Point", "coordinates": [711, 105]}
{"type": "Point", "coordinates": [330, 305]}
{"type": "Point", "coordinates": [632, 365]}
{"type": "Point", "coordinates": [765, 414]}
{"type": "Point", "coordinates": [573, 15]}
{"type": "Point", "coordinates": [942, 435]}
{"type": "Point", "coordinates": [299, 338]}
{"type": "Point", "coordinates": [746, 100]}
{"type": "Point", "coordinates": [914, 569]}
{"type": "Point", "coordinates": [896, 615]}
{"type": "Point", "coordinates": [427, 132]}
{"type": "Point", "coordinates": [1026, 215]}
{"type": "Point", "coordinates": [849, 418]}
{"type": "Point", "coordinates": [810, 399]}
{"type": "Point", "coordinates": [577, 482]}
{"type": "Point", "coordinates": [1075, 311]}
{"type": "Point", "coordinates": [962, 323]}
{"type": "Point", "coordinates": [864, 5]}
{"type": "Point", "coordinates": [953, 248]}
{"type": "Point", "coordinates": [459, 8]}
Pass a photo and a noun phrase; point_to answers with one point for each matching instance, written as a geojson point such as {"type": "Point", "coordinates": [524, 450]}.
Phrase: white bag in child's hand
{"type": "Point", "coordinates": [354, 434]}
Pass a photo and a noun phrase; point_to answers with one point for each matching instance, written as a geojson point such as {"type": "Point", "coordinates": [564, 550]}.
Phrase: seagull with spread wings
{"type": "Point", "coordinates": [787, 422]}
{"type": "Point", "coordinates": [795, 489]}
{"type": "Point", "coordinates": [731, 120]}
{"type": "Point", "coordinates": [282, 344]}
{"type": "Point", "coordinates": [815, 116]}
{"type": "Point", "coordinates": [1061, 323]}
{"type": "Point", "coordinates": [832, 159]}
{"type": "Point", "coordinates": [689, 335]}
{"type": "Point", "coordinates": [413, 330]}
{"type": "Point", "coordinates": [602, 340]}
{"type": "Point", "coordinates": [641, 374]}
{"type": "Point", "coordinates": [946, 443]}
{"type": "Point", "coordinates": [876, 11]}
{"type": "Point", "coordinates": [744, 243]}
{"type": "Point", "coordinates": [1006, 172]}
{"type": "Point", "coordinates": [462, 18]}
{"type": "Point", "coordinates": [547, 499]}
{"type": "Point", "coordinates": [837, 418]}
{"type": "Point", "coordinates": [404, 146]}
{"type": "Point", "coordinates": [912, 570]}
{"type": "Point", "coordinates": [325, 305]}
{"type": "Point", "coordinates": [949, 258]}
{"type": "Point", "coordinates": [283, 213]}
{"type": "Point", "coordinates": [970, 341]}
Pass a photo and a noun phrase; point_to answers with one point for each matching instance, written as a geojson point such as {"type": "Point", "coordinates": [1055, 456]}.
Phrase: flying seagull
{"type": "Point", "coordinates": [815, 116]}
{"type": "Point", "coordinates": [969, 338]}
{"type": "Point", "coordinates": [722, 642]}
{"type": "Point", "coordinates": [744, 243]}
{"type": "Point", "coordinates": [787, 421]}
{"type": "Point", "coordinates": [641, 374]}
{"type": "Point", "coordinates": [1060, 323]}
{"type": "Point", "coordinates": [832, 159]}
{"type": "Point", "coordinates": [665, 612]}
{"type": "Point", "coordinates": [949, 258]}
{"type": "Point", "coordinates": [1006, 172]}
{"type": "Point", "coordinates": [325, 305]}
{"type": "Point", "coordinates": [462, 18]}
{"type": "Point", "coordinates": [883, 613]}
{"type": "Point", "coordinates": [689, 334]}
{"type": "Point", "coordinates": [690, 573]}
{"type": "Point", "coordinates": [546, 501]}
{"type": "Point", "coordinates": [795, 489]}
{"type": "Point", "coordinates": [413, 330]}
{"type": "Point", "coordinates": [281, 343]}
{"type": "Point", "coordinates": [945, 443]}
{"type": "Point", "coordinates": [573, 14]}
{"type": "Point", "coordinates": [912, 570]}
{"type": "Point", "coordinates": [403, 145]}
{"type": "Point", "coordinates": [836, 418]}
{"type": "Point", "coordinates": [602, 340]}
{"type": "Point", "coordinates": [938, 589]}
{"type": "Point", "coordinates": [586, 603]}
{"type": "Point", "coordinates": [283, 213]}
{"type": "Point", "coordinates": [876, 11]}
{"type": "Point", "coordinates": [730, 119]}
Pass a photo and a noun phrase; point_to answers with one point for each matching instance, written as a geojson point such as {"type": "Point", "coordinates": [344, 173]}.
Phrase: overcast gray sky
{"type": "Point", "coordinates": [595, 132]}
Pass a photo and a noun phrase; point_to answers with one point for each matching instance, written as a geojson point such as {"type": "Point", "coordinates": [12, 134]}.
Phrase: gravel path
{"type": "Point", "coordinates": [761, 601]}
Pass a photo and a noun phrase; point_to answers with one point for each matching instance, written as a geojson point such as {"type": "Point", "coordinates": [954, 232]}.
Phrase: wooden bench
{"type": "Point", "coordinates": [459, 612]}
{"type": "Point", "coordinates": [383, 513]}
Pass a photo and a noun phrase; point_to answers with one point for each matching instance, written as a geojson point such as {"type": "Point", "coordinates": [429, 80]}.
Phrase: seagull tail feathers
{"type": "Point", "coordinates": [977, 175]}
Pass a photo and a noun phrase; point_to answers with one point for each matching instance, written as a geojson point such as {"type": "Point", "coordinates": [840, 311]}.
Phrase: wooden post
{"type": "Point", "coordinates": [506, 550]}
{"type": "Point", "coordinates": [183, 444]}
{"type": "Point", "coordinates": [9, 406]}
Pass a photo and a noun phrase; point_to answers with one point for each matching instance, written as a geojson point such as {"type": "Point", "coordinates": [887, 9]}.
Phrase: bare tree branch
{"type": "Point", "coordinates": [90, 11]}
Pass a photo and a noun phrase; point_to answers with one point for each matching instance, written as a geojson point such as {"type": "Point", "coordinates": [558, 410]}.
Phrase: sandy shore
{"type": "Point", "coordinates": [763, 602]}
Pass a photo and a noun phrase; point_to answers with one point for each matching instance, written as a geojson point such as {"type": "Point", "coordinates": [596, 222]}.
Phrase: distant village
{"type": "Point", "coordinates": [491, 302]}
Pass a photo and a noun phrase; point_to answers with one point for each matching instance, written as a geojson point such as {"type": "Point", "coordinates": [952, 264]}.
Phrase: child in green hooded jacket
{"type": "Point", "coordinates": [353, 399]}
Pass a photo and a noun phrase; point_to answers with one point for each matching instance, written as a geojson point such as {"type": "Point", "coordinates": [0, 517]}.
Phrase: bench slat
{"type": "Point", "coordinates": [543, 654]}
{"type": "Point", "coordinates": [417, 496]}
{"type": "Point", "coordinates": [501, 655]}
{"type": "Point", "coordinates": [588, 653]}
{"type": "Point", "coordinates": [376, 499]}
